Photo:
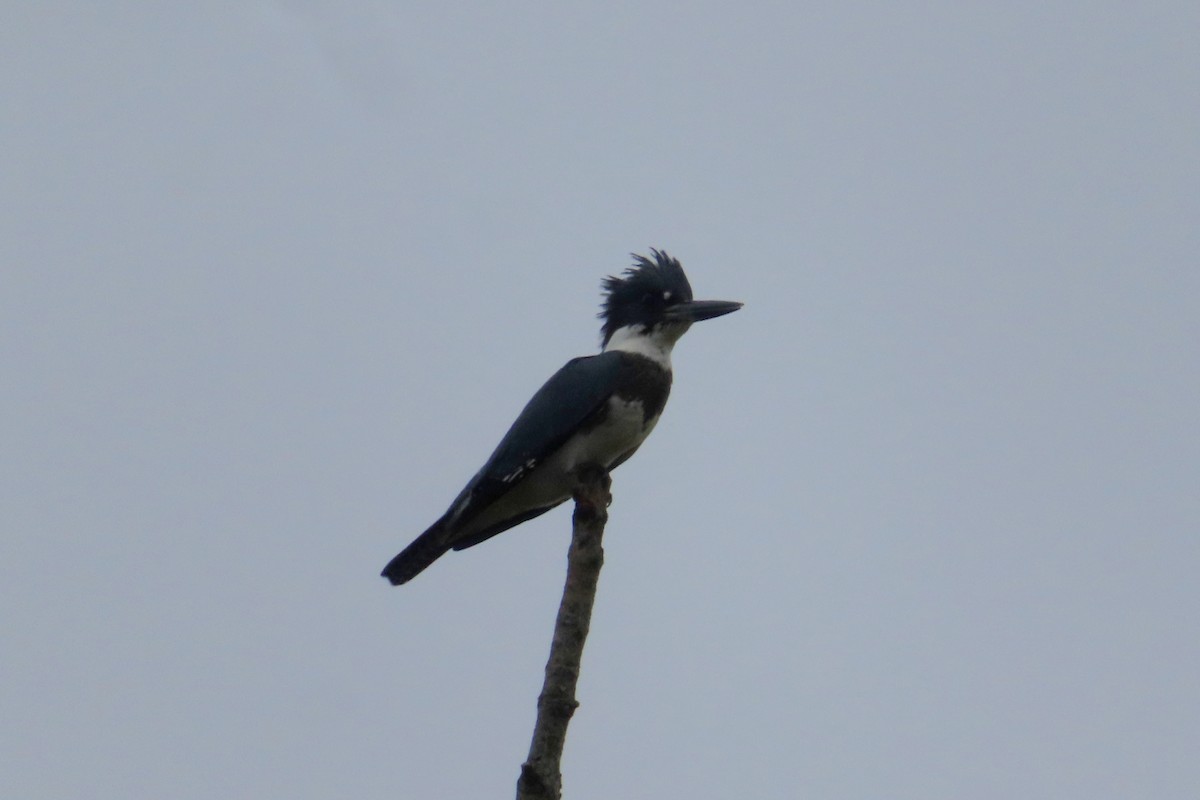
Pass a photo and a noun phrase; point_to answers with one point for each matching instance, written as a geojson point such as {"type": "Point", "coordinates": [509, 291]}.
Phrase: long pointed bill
{"type": "Point", "coordinates": [697, 310]}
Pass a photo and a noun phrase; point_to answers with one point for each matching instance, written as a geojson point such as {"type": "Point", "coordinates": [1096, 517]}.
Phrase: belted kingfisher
{"type": "Point", "coordinates": [595, 410]}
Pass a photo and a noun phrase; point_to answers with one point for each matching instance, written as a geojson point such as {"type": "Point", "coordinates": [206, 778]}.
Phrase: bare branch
{"type": "Point", "coordinates": [541, 774]}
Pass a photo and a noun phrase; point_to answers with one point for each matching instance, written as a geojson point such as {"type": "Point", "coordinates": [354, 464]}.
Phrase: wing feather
{"type": "Point", "coordinates": [564, 403]}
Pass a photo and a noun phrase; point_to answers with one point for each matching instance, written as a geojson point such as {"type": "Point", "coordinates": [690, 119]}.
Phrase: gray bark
{"type": "Point", "coordinates": [541, 774]}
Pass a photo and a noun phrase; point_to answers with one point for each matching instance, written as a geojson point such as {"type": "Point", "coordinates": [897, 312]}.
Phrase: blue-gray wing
{"type": "Point", "coordinates": [564, 404]}
{"type": "Point", "coordinates": [561, 407]}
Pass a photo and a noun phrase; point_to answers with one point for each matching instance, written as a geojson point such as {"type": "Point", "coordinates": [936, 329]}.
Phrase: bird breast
{"type": "Point", "coordinates": [622, 428]}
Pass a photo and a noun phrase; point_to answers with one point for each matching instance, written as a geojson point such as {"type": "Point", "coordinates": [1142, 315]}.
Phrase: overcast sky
{"type": "Point", "coordinates": [921, 521]}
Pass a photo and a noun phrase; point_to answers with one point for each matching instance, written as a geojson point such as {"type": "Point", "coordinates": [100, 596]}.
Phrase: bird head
{"type": "Point", "coordinates": [653, 298]}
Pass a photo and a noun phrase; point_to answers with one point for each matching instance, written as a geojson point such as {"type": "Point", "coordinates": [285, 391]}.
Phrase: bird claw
{"type": "Point", "coordinates": [592, 487]}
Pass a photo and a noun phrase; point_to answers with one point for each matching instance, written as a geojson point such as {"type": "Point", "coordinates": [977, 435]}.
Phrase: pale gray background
{"type": "Point", "coordinates": [919, 522]}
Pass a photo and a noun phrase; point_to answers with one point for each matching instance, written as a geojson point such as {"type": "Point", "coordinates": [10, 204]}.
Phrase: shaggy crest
{"type": "Point", "coordinates": [642, 291]}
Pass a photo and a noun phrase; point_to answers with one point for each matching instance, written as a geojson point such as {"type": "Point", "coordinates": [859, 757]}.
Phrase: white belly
{"type": "Point", "coordinates": [552, 481]}
{"type": "Point", "coordinates": [623, 430]}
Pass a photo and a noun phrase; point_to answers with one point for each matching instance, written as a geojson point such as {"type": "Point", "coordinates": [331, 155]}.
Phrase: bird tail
{"type": "Point", "coordinates": [427, 548]}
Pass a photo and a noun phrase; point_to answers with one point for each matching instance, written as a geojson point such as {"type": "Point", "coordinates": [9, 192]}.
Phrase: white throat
{"type": "Point", "coordinates": [655, 344]}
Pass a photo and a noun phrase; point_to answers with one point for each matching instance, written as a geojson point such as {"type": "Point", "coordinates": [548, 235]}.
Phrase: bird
{"type": "Point", "coordinates": [596, 410]}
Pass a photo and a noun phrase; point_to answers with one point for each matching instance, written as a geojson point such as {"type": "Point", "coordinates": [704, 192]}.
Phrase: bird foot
{"type": "Point", "coordinates": [592, 487]}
